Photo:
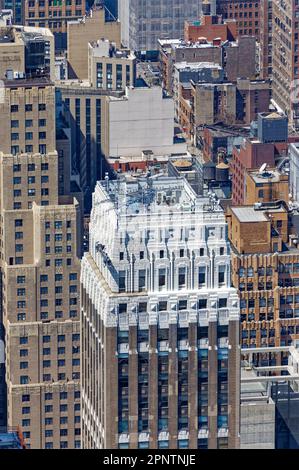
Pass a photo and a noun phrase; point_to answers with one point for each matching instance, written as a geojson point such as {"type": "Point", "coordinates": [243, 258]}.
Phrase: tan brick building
{"type": "Point", "coordinates": [266, 186]}
{"type": "Point", "coordinates": [40, 247]}
{"type": "Point", "coordinates": [110, 68]}
{"type": "Point", "coordinates": [265, 270]}
{"type": "Point", "coordinates": [18, 52]}
{"type": "Point", "coordinates": [27, 116]}
{"type": "Point", "coordinates": [80, 33]}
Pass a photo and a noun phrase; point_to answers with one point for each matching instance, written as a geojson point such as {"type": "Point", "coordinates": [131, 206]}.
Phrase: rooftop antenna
{"type": "Point", "coordinates": [107, 181]}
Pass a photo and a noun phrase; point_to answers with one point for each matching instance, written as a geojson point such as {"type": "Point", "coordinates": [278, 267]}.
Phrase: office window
{"type": "Point", "coordinates": [182, 278]}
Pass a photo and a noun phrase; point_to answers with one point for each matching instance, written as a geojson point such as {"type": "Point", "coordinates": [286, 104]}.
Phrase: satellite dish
{"type": "Point", "coordinates": [263, 168]}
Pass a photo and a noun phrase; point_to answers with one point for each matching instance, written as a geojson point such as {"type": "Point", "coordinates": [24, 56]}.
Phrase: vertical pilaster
{"type": "Point", "coordinates": [153, 387]}
{"type": "Point", "coordinates": [111, 389]}
{"type": "Point", "coordinates": [173, 387]}
{"type": "Point", "coordinates": [193, 386]}
{"type": "Point", "coordinates": [212, 385]}
{"type": "Point", "coordinates": [133, 387]}
{"type": "Point", "coordinates": [234, 385]}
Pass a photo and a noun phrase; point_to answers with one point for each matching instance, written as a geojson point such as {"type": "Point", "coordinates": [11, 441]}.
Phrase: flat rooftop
{"type": "Point", "coordinates": [249, 214]}
{"type": "Point", "coordinates": [268, 176]}
{"type": "Point", "coordinates": [154, 194]}
{"type": "Point", "coordinates": [28, 82]}
{"type": "Point", "coordinates": [251, 389]}
{"type": "Point", "coordinates": [196, 66]}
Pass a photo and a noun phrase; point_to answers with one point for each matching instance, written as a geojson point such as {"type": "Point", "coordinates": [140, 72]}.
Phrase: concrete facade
{"type": "Point", "coordinates": [141, 120]}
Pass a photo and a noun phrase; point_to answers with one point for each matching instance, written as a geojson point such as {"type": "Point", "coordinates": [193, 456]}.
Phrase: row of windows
{"type": "Point", "coordinates": [58, 290]}
{"type": "Point", "coordinates": [28, 123]}
{"type": "Point", "coordinates": [162, 253]}
{"type": "Point", "coordinates": [49, 408]}
{"type": "Point", "coordinates": [63, 445]}
{"type": "Point", "coordinates": [51, 3]}
{"type": "Point", "coordinates": [222, 443]}
{"type": "Point", "coordinates": [44, 278]}
{"type": "Point", "coordinates": [30, 192]}
{"type": "Point", "coordinates": [18, 205]}
{"type": "Point", "coordinates": [58, 237]}
{"type": "Point", "coordinates": [48, 363]}
{"type": "Point", "coordinates": [42, 149]}
{"type": "Point", "coordinates": [45, 303]}
{"type": "Point", "coordinates": [25, 380]}
{"type": "Point", "coordinates": [47, 351]}
{"type": "Point", "coordinates": [249, 272]}
{"type": "Point", "coordinates": [49, 396]}
{"type": "Point", "coordinates": [28, 107]}
{"type": "Point", "coordinates": [30, 179]}
{"type": "Point", "coordinates": [163, 305]}
{"type": "Point", "coordinates": [45, 315]}
{"type": "Point", "coordinates": [47, 338]}
{"type": "Point", "coordinates": [261, 286]}
{"type": "Point", "coordinates": [28, 136]}
{"type": "Point", "coordinates": [162, 278]}
{"type": "Point", "coordinates": [58, 249]}
{"type": "Point", "coordinates": [30, 167]}
{"type": "Point", "coordinates": [49, 421]}
{"type": "Point", "coordinates": [262, 302]}
{"type": "Point", "coordinates": [58, 277]}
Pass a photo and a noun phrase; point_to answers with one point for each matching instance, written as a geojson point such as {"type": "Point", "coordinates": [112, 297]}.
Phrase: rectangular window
{"type": "Point", "coordinates": [201, 275]}
{"type": "Point", "coordinates": [162, 278]}
{"type": "Point", "coordinates": [122, 281]}
{"type": "Point", "coordinates": [182, 277]}
{"type": "Point", "coordinates": [141, 279]}
{"type": "Point", "coordinates": [221, 275]}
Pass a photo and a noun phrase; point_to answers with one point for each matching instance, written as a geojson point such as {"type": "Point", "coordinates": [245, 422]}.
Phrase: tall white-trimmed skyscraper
{"type": "Point", "coordinates": [160, 321]}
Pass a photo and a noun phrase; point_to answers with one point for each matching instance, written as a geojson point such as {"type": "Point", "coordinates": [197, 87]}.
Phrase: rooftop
{"type": "Point", "coordinates": [267, 176]}
{"type": "Point", "coordinates": [196, 65]}
{"type": "Point", "coordinates": [105, 48]}
{"type": "Point", "coordinates": [28, 82]}
{"type": "Point", "coordinates": [14, 34]}
{"type": "Point", "coordinates": [155, 194]}
{"type": "Point", "coordinates": [258, 212]}
{"type": "Point", "coordinates": [249, 214]}
{"type": "Point", "coordinates": [272, 115]}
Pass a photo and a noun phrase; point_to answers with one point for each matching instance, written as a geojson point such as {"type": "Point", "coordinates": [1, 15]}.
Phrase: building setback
{"type": "Point", "coordinates": [160, 344]}
{"type": "Point", "coordinates": [83, 31]}
{"type": "Point", "coordinates": [40, 251]}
